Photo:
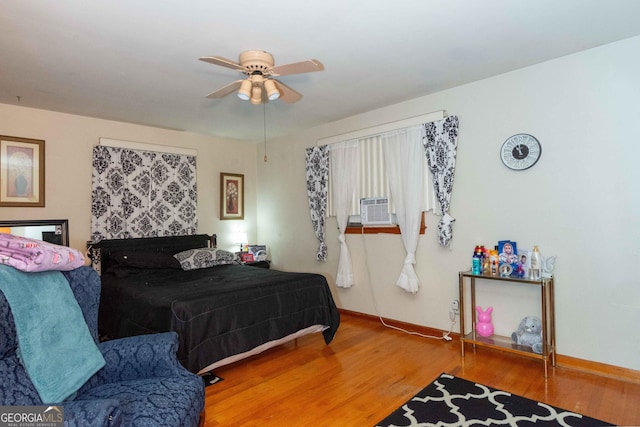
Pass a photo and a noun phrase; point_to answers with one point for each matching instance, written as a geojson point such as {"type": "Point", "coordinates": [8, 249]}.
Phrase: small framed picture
{"type": "Point", "coordinates": [231, 196]}
{"type": "Point", "coordinates": [524, 263]}
{"type": "Point", "coordinates": [259, 252]}
{"type": "Point", "coordinates": [508, 253]}
{"type": "Point", "coordinates": [21, 172]}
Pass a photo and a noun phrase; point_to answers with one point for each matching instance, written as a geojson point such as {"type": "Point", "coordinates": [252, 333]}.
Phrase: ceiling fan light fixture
{"type": "Point", "coordinates": [272, 90]}
{"type": "Point", "coordinates": [244, 92]}
{"type": "Point", "coordinates": [258, 68]}
{"type": "Point", "coordinates": [256, 95]}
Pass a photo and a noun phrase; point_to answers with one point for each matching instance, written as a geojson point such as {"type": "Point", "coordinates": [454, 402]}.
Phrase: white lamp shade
{"type": "Point", "coordinates": [244, 92]}
{"type": "Point", "coordinates": [241, 238]}
{"type": "Point", "coordinates": [272, 90]}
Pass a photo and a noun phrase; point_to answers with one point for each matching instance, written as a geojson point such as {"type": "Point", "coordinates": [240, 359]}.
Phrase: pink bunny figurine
{"type": "Point", "coordinates": [484, 326]}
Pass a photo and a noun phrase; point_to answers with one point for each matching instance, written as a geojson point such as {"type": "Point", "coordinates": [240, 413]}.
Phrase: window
{"type": "Point", "coordinates": [391, 229]}
{"type": "Point", "coordinates": [372, 179]}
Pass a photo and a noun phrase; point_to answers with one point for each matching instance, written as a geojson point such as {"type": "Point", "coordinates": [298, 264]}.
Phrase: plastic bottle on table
{"type": "Point", "coordinates": [493, 261]}
{"type": "Point", "coordinates": [476, 261]}
{"type": "Point", "coordinates": [536, 264]}
{"type": "Point", "coordinates": [476, 266]}
{"type": "Point", "coordinates": [486, 268]}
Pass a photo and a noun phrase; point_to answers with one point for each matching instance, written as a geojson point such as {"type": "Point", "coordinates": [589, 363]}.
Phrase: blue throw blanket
{"type": "Point", "coordinates": [54, 342]}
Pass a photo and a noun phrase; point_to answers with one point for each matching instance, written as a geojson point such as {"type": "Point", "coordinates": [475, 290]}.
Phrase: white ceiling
{"type": "Point", "coordinates": [137, 61]}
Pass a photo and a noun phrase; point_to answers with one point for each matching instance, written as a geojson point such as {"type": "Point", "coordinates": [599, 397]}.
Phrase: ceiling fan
{"type": "Point", "coordinates": [259, 86]}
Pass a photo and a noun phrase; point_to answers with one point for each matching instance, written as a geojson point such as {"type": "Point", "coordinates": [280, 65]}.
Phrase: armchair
{"type": "Point", "coordinates": [142, 383]}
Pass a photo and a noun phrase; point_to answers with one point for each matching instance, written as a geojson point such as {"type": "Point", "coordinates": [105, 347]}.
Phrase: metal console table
{"type": "Point", "coordinates": [506, 343]}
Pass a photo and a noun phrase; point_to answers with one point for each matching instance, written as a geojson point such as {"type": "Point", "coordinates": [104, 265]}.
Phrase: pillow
{"type": "Point", "coordinates": [142, 259]}
{"type": "Point", "coordinates": [193, 259]}
{"type": "Point", "coordinates": [35, 255]}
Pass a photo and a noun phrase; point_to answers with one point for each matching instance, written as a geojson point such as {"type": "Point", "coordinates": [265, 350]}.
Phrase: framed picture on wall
{"type": "Point", "coordinates": [231, 196]}
{"type": "Point", "coordinates": [21, 172]}
{"type": "Point", "coordinates": [259, 252]}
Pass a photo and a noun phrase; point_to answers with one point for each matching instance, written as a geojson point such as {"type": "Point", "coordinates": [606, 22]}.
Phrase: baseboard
{"type": "Point", "coordinates": [602, 369]}
{"type": "Point", "coordinates": [597, 368]}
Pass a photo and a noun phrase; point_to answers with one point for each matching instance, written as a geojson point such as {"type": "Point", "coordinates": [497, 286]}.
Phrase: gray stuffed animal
{"type": "Point", "coordinates": [529, 333]}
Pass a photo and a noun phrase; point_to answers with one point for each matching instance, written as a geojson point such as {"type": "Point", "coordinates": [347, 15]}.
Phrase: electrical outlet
{"type": "Point", "coordinates": [455, 310]}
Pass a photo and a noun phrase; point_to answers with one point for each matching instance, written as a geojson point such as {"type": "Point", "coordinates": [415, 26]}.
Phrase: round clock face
{"type": "Point", "coordinates": [520, 152]}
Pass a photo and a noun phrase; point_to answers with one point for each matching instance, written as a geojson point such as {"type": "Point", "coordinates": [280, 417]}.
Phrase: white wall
{"type": "Point", "coordinates": [69, 140]}
{"type": "Point", "coordinates": [581, 202]}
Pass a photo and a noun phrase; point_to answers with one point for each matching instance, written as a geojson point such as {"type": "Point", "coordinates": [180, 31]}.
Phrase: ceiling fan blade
{"type": "Point", "coordinates": [308, 66]}
{"type": "Point", "coordinates": [287, 94]}
{"type": "Point", "coordinates": [226, 90]}
{"type": "Point", "coordinates": [217, 60]}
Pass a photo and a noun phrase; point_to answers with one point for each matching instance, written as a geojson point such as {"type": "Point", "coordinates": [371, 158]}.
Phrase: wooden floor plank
{"type": "Point", "coordinates": [369, 370]}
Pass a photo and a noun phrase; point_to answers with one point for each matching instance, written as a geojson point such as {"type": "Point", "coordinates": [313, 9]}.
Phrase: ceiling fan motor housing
{"type": "Point", "coordinates": [256, 61]}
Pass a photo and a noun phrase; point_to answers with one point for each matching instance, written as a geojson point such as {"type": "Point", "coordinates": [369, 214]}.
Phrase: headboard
{"type": "Point", "coordinates": [101, 252]}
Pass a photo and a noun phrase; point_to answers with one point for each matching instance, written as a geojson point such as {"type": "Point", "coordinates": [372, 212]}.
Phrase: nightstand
{"type": "Point", "coordinates": [260, 264]}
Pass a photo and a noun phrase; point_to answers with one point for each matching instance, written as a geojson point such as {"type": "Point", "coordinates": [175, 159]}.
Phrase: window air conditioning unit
{"type": "Point", "coordinates": [375, 211]}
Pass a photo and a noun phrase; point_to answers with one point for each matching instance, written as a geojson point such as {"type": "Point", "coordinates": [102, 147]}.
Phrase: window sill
{"type": "Point", "coordinates": [381, 229]}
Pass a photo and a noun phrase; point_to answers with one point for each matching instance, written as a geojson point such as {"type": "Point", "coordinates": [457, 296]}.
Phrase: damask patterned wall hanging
{"type": "Point", "coordinates": [138, 193]}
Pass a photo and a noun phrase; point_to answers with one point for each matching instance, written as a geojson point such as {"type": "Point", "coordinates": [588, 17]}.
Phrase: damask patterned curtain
{"type": "Point", "coordinates": [440, 141]}
{"type": "Point", "coordinates": [317, 167]}
{"type": "Point", "coordinates": [139, 193]}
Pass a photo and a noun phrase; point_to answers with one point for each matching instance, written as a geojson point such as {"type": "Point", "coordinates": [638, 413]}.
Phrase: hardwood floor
{"type": "Point", "coordinates": [369, 370]}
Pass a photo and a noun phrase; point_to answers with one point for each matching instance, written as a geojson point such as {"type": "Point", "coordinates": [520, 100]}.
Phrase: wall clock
{"type": "Point", "coordinates": [520, 151]}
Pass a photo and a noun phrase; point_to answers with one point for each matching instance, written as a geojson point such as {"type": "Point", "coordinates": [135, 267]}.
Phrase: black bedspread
{"type": "Point", "coordinates": [218, 311]}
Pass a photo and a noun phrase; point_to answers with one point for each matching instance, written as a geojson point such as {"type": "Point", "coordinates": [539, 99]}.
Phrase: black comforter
{"type": "Point", "coordinates": [218, 311]}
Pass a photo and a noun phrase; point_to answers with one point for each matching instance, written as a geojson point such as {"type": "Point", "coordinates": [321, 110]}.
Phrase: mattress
{"type": "Point", "coordinates": [218, 311]}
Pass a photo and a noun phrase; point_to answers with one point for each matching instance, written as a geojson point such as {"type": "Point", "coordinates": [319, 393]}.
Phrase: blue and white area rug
{"type": "Point", "coordinates": [452, 401]}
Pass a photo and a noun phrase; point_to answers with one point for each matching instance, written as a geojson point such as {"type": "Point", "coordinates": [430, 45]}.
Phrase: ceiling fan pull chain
{"type": "Point", "coordinates": [264, 122]}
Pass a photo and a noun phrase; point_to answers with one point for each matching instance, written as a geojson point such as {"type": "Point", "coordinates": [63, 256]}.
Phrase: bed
{"type": "Point", "coordinates": [222, 313]}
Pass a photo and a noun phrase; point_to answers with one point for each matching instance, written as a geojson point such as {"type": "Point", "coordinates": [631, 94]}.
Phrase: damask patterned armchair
{"type": "Point", "coordinates": [142, 383]}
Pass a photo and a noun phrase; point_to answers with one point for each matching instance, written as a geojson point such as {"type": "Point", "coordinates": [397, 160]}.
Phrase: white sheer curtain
{"type": "Point", "coordinates": [372, 179]}
{"type": "Point", "coordinates": [344, 170]}
{"type": "Point", "coordinates": [404, 157]}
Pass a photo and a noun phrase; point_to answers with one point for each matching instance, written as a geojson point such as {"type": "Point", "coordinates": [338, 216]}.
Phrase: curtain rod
{"type": "Point", "coordinates": [145, 146]}
{"type": "Point", "coordinates": [385, 127]}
